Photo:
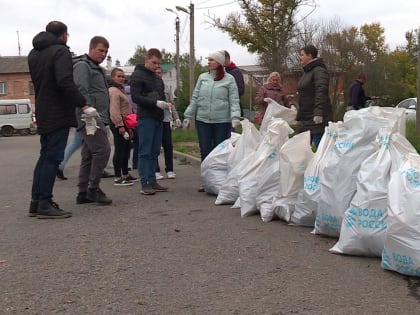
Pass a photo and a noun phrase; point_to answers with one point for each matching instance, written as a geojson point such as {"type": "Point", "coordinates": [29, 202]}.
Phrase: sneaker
{"type": "Point", "coordinates": [201, 189]}
{"type": "Point", "coordinates": [60, 175]}
{"type": "Point", "coordinates": [97, 195]}
{"type": "Point", "coordinates": [33, 207]}
{"type": "Point", "coordinates": [171, 175]}
{"type": "Point", "coordinates": [157, 187]}
{"type": "Point", "coordinates": [131, 178]}
{"type": "Point", "coordinates": [122, 182]}
{"type": "Point", "coordinates": [81, 198]}
{"type": "Point", "coordinates": [159, 175]}
{"type": "Point", "coordinates": [48, 209]}
{"type": "Point", "coordinates": [147, 190]}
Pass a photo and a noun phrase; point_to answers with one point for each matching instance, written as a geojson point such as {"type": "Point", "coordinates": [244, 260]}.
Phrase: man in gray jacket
{"type": "Point", "coordinates": [90, 79]}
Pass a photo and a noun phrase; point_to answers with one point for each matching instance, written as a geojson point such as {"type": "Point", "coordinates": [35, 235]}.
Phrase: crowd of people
{"type": "Point", "coordinates": [74, 92]}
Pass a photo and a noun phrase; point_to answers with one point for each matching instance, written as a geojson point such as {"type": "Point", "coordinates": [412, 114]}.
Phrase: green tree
{"type": "Point", "coordinates": [264, 27]}
{"type": "Point", "coordinates": [140, 53]}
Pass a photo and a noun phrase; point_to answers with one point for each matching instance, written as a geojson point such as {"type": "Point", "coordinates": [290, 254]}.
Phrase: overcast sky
{"type": "Point", "coordinates": [128, 23]}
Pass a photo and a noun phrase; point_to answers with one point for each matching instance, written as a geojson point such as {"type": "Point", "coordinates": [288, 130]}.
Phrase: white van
{"type": "Point", "coordinates": [16, 116]}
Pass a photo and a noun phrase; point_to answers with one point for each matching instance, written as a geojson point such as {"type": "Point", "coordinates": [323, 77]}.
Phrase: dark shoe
{"type": "Point", "coordinates": [48, 209]}
{"type": "Point", "coordinates": [33, 207]}
{"type": "Point", "coordinates": [201, 189]}
{"type": "Point", "coordinates": [107, 174]}
{"type": "Point", "coordinates": [122, 182]}
{"type": "Point", "coordinates": [157, 187]}
{"type": "Point", "coordinates": [97, 195]}
{"type": "Point", "coordinates": [60, 175]}
{"type": "Point", "coordinates": [81, 198]}
{"type": "Point", "coordinates": [147, 190]}
{"type": "Point", "coordinates": [131, 178]}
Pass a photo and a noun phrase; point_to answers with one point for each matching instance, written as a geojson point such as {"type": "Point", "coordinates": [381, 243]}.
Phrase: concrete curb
{"type": "Point", "coordinates": [191, 159]}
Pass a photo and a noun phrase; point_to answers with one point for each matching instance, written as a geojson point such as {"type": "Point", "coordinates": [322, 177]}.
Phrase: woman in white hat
{"type": "Point", "coordinates": [214, 105]}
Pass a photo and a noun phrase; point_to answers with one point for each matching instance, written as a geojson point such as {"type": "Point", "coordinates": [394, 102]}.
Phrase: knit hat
{"type": "Point", "coordinates": [219, 56]}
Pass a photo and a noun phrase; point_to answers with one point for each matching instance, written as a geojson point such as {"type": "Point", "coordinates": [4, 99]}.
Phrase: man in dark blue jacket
{"type": "Point", "coordinates": [233, 70]}
{"type": "Point", "coordinates": [56, 96]}
{"type": "Point", "coordinates": [149, 96]}
{"type": "Point", "coordinates": [357, 96]}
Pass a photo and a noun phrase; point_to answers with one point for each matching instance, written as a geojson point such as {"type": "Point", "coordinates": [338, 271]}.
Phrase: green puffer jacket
{"type": "Point", "coordinates": [214, 101]}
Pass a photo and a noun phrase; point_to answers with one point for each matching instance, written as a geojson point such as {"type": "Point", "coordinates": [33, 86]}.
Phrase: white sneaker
{"type": "Point", "coordinates": [159, 175]}
{"type": "Point", "coordinates": [171, 175]}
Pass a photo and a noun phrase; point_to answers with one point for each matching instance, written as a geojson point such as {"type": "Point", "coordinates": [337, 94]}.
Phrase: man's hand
{"type": "Point", "coordinates": [163, 105]}
{"type": "Point", "coordinates": [318, 120]}
{"type": "Point", "coordinates": [90, 111]}
{"type": "Point", "coordinates": [178, 123]}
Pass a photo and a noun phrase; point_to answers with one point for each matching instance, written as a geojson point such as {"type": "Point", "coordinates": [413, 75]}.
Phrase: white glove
{"type": "Point", "coordinates": [186, 123]}
{"type": "Point", "coordinates": [318, 119]}
{"type": "Point", "coordinates": [90, 111]}
{"type": "Point", "coordinates": [235, 123]}
{"type": "Point", "coordinates": [178, 123]}
{"type": "Point", "coordinates": [268, 100]}
{"type": "Point", "coordinates": [163, 105]}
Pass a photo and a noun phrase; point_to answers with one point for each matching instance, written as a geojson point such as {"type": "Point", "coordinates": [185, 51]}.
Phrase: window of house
{"type": "Point", "coordinates": [3, 87]}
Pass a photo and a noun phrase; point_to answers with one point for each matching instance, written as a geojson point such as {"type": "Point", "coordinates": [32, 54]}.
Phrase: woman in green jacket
{"type": "Point", "coordinates": [214, 105]}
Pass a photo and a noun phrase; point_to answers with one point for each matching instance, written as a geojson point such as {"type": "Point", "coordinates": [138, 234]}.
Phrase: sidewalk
{"type": "Point", "coordinates": [172, 253]}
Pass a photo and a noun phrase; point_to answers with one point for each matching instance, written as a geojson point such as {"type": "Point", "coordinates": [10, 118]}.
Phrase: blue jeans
{"type": "Point", "coordinates": [316, 139]}
{"type": "Point", "coordinates": [168, 148]}
{"type": "Point", "coordinates": [210, 135]}
{"type": "Point", "coordinates": [75, 144]}
{"type": "Point", "coordinates": [149, 132]}
{"type": "Point", "coordinates": [51, 154]}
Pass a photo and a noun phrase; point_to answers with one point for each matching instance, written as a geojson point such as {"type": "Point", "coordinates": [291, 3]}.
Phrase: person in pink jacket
{"type": "Point", "coordinates": [272, 89]}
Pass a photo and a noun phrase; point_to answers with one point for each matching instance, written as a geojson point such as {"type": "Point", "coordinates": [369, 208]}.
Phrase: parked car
{"type": "Point", "coordinates": [410, 104]}
{"type": "Point", "coordinates": [16, 116]}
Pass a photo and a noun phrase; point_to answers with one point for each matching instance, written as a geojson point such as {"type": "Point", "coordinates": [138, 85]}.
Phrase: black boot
{"type": "Point", "coordinates": [48, 209]}
{"type": "Point", "coordinates": [33, 207]}
{"type": "Point", "coordinates": [60, 175]}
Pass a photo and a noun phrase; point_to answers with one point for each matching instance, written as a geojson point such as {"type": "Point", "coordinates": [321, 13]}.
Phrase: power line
{"type": "Point", "coordinates": [217, 5]}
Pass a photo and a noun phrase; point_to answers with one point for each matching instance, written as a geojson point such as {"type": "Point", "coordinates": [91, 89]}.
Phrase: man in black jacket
{"type": "Point", "coordinates": [56, 96]}
{"type": "Point", "coordinates": [148, 94]}
{"type": "Point", "coordinates": [233, 70]}
{"type": "Point", "coordinates": [357, 96]}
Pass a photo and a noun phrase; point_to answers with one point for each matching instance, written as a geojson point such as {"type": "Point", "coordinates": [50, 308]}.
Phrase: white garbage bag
{"type": "Point", "coordinates": [364, 225]}
{"type": "Point", "coordinates": [402, 242]}
{"type": "Point", "coordinates": [355, 143]}
{"type": "Point", "coordinates": [275, 110]}
{"type": "Point", "coordinates": [214, 168]}
{"type": "Point", "coordinates": [295, 156]}
{"type": "Point", "coordinates": [307, 198]}
{"type": "Point", "coordinates": [245, 146]}
{"type": "Point", "coordinates": [264, 157]}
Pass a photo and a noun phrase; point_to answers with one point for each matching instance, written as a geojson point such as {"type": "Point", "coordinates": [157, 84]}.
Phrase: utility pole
{"type": "Point", "coordinates": [19, 48]}
{"type": "Point", "coordinates": [192, 53]}
{"type": "Point", "coordinates": [418, 83]}
{"type": "Point", "coordinates": [178, 81]}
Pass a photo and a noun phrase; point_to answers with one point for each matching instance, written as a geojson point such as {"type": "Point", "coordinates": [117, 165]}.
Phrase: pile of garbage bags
{"type": "Point", "coordinates": [361, 186]}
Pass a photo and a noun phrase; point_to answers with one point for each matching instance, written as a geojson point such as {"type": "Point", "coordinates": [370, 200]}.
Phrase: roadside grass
{"type": "Point", "coordinates": [186, 140]}
{"type": "Point", "coordinates": [412, 135]}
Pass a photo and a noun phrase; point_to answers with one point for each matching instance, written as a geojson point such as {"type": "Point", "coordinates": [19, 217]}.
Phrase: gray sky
{"type": "Point", "coordinates": [128, 23]}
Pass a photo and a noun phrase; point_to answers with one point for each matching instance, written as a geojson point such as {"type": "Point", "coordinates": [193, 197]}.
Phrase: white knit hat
{"type": "Point", "coordinates": [219, 56]}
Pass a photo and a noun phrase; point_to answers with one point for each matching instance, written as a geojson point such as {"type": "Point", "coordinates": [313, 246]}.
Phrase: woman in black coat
{"type": "Point", "coordinates": [314, 103]}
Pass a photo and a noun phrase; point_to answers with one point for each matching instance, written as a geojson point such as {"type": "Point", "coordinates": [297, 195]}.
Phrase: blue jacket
{"type": "Point", "coordinates": [214, 101]}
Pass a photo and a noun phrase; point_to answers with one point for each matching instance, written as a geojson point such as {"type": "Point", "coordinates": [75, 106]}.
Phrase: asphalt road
{"type": "Point", "coordinates": [173, 253]}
